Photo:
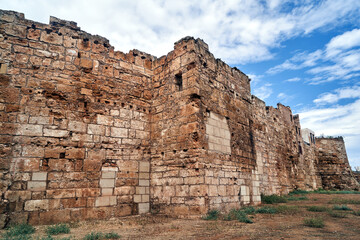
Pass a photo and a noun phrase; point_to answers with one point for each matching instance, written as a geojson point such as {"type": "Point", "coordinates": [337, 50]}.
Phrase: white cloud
{"type": "Point", "coordinates": [341, 93]}
{"type": "Point", "coordinates": [263, 91]}
{"type": "Point", "coordinates": [298, 61]}
{"type": "Point", "coordinates": [345, 41]}
{"type": "Point", "coordinates": [295, 79]}
{"type": "Point", "coordinates": [339, 60]}
{"type": "Point", "coordinates": [236, 31]}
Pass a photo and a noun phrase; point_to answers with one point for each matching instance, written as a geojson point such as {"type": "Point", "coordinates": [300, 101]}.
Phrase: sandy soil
{"type": "Point", "coordinates": [266, 226]}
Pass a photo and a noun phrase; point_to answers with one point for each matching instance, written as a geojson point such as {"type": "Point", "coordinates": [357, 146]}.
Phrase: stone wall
{"type": "Point", "coordinates": [334, 168]}
{"type": "Point", "coordinates": [75, 126]}
{"type": "Point", "coordinates": [92, 133]}
{"type": "Point", "coordinates": [284, 161]}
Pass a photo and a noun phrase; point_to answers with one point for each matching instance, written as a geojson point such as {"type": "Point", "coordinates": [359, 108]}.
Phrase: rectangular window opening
{"type": "Point", "coordinates": [179, 81]}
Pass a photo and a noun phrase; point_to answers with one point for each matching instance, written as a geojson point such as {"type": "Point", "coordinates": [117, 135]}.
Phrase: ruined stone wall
{"type": "Point", "coordinates": [176, 137]}
{"type": "Point", "coordinates": [284, 162]}
{"type": "Point", "coordinates": [202, 155]}
{"type": "Point", "coordinates": [334, 168]}
{"type": "Point", "coordinates": [357, 176]}
{"type": "Point", "coordinates": [91, 133]}
{"type": "Point", "coordinates": [75, 129]}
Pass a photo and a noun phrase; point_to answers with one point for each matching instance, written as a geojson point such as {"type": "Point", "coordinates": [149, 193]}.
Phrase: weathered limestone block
{"type": "Point", "coordinates": [36, 205]}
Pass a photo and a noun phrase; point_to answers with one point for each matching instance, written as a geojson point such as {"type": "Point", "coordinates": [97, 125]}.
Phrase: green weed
{"type": "Point", "coordinates": [338, 214]}
{"type": "Point", "coordinates": [238, 214]}
{"type": "Point", "coordinates": [356, 213]}
{"type": "Point", "coordinates": [314, 222]}
{"type": "Point", "coordinates": [271, 199]}
{"type": "Point", "coordinates": [58, 229]}
{"type": "Point", "coordinates": [248, 210]}
{"type": "Point", "coordinates": [212, 215]}
{"type": "Point", "coordinates": [317, 209]}
{"type": "Point", "coordinates": [293, 198]}
{"type": "Point", "coordinates": [298, 192]}
{"type": "Point", "coordinates": [342, 208]}
{"type": "Point", "coordinates": [111, 235]}
{"type": "Point", "coordinates": [19, 232]}
{"type": "Point", "coordinates": [93, 236]}
{"type": "Point", "coordinates": [268, 210]}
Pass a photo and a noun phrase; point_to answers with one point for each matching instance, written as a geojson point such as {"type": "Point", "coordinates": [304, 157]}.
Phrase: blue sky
{"type": "Point", "coordinates": [305, 54]}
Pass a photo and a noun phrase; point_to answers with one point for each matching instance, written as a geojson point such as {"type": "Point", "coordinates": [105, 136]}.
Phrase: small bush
{"type": "Point", "coordinates": [93, 236]}
{"type": "Point", "coordinates": [271, 199]}
{"type": "Point", "coordinates": [298, 192]}
{"type": "Point", "coordinates": [268, 210]}
{"type": "Point", "coordinates": [238, 214]}
{"type": "Point", "coordinates": [21, 231]}
{"type": "Point", "coordinates": [248, 210]}
{"type": "Point", "coordinates": [344, 201]}
{"type": "Point", "coordinates": [293, 198]}
{"type": "Point", "coordinates": [317, 209]}
{"type": "Point", "coordinates": [342, 208]}
{"type": "Point", "coordinates": [58, 229]}
{"type": "Point", "coordinates": [337, 214]}
{"type": "Point", "coordinates": [356, 213]}
{"type": "Point", "coordinates": [314, 222]}
{"type": "Point", "coordinates": [212, 215]}
{"type": "Point", "coordinates": [111, 235]}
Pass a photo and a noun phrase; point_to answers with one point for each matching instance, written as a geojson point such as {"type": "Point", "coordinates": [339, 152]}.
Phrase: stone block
{"type": "Point", "coordinates": [77, 126]}
{"type": "Point", "coordinates": [75, 153]}
{"type": "Point", "coordinates": [144, 208]}
{"type": "Point", "coordinates": [107, 183]}
{"type": "Point", "coordinates": [140, 190]}
{"type": "Point", "coordinates": [86, 63]}
{"type": "Point", "coordinates": [16, 196]}
{"type": "Point", "coordinates": [137, 198]}
{"type": "Point", "coordinates": [105, 201]}
{"type": "Point", "coordinates": [144, 166]}
{"type": "Point", "coordinates": [56, 133]}
{"type": "Point", "coordinates": [144, 182]}
{"type": "Point", "coordinates": [125, 190]}
{"type": "Point", "coordinates": [144, 175]}
{"type": "Point", "coordinates": [52, 37]}
{"type": "Point", "coordinates": [119, 132]}
{"type": "Point", "coordinates": [104, 120]}
{"type": "Point", "coordinates": [145, 198]}
{"type": "Point", "coordinates": [29, 130]}
{"type": "Point", "coordinates": [36, 185]}
{"type": "Point", "coordinates": [107, 191]}
{"type": "Point", "coordinates": [96, 129]}
{"type": "Point", "coordinates": [32, 151]}
{"type": "Point", "coordinates": [108, 174]}
{"type": "Point", "coordinates": [39, 176]}
{"type": "Point", "coordinates": [36, 205]}
{"type": "Point", "coordinates": [60, 193]}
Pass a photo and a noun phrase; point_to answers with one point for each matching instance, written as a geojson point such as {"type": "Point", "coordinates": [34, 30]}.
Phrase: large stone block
{"type": "Point", "coordinates": [36, 205]}
{"type": "Point", "coordinates": [107, 183]}
{"type": "Point", "coordinates": [30, 130]}
{"type": "Point", "coordinates": [36, 185]}
{"type": "Point", "coordinates": [119, 132]}
{"type": "Point", "coordinates": [105, 201]}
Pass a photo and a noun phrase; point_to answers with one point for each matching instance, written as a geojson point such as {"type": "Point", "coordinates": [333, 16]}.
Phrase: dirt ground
{"type": "Point", "coordinates": [266, 226]}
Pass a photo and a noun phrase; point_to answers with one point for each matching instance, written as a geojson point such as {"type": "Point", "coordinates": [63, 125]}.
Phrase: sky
{"type": "Point", "coordinates": [304, 54]}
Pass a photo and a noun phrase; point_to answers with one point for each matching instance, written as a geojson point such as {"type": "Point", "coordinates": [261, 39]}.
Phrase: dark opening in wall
{"type": "Point", "coordinates": [300, 149]}
{"type": "Point", "coordinates": [179, 81]}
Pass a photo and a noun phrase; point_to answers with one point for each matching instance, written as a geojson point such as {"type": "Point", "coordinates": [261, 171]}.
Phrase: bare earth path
{"type": "Point", "coordinates": [288, 225]}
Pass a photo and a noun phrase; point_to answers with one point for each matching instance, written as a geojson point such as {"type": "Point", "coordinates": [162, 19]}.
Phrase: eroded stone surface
{"type": "Point", "coordinates": [92, 133]}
